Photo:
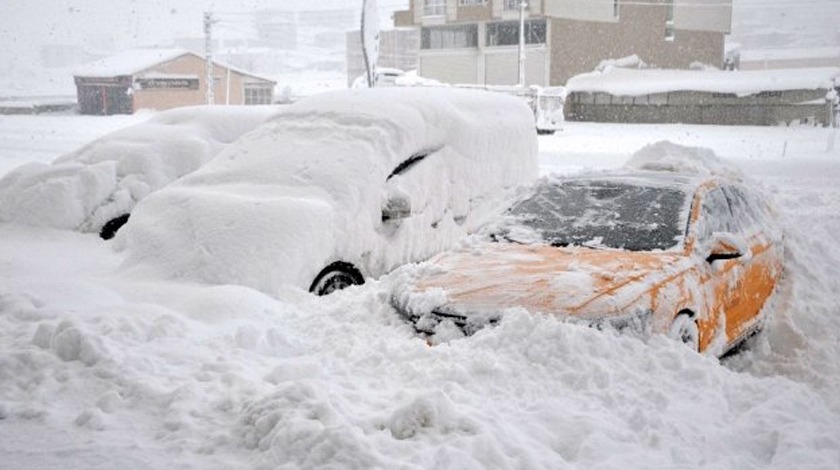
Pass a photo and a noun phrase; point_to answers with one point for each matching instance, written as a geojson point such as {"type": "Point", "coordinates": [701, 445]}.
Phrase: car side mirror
{"type": "Point", "coordinates": [725, 246]}
{"type": "Point", "coordinates": [396, 207]}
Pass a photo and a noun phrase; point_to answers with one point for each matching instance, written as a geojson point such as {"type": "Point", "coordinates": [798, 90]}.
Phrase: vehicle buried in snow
{"type": "Point", "coordinates": [695, 257]}
{"type": "Point", "coordinates": [94, 188]}
{"type": "Point", "coordinates": [339, 187]}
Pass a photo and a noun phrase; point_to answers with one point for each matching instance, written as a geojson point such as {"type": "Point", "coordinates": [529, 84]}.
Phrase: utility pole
{"type": "Point", "coordinates": [208, 52]}
{"type": "Point", "coordinates": [522, 7]}
{"type": "Point", "coordinates": [370, 39]}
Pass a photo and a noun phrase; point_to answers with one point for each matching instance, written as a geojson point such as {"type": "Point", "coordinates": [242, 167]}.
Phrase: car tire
{"type": "Point", "coordinates": [684, 329]}
{"type": "Point", "coordinates": [336, 276]}
{"type": "Point", "coordinates": [112, 226]}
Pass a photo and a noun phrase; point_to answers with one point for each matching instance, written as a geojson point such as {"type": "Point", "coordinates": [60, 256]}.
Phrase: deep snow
{"type": "Point", "coordinates": [102, 369]}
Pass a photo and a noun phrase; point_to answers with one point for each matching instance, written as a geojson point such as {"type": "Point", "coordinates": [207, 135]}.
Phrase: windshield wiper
{"type": "Point", "coordinates": [498, 238]}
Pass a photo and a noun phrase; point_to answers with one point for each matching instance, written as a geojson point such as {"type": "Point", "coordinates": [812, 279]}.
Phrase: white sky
{"type": "Point", "coordinates": [26, 26]}
{"type": "Point", "coordinates": [105, 26]}
{"type": "Point", "coordinates": [97, 24]}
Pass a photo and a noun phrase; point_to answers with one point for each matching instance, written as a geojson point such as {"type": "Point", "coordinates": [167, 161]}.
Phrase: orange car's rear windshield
{"type": "Point", "coordinates": [604, 213]}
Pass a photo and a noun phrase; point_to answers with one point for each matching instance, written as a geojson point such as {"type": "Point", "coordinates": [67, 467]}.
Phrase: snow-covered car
{"type": "Point", "coordinates": [339, 187]}
{"type": "Point", "coordinates": [692, 256]}
{"type": "Point", "coordinates": [94, 188]}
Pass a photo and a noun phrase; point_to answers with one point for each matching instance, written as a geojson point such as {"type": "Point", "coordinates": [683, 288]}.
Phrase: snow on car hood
{"type": "Point", "coordinates": [105, 178]}
{"type": "Point", "coordinates": [580, 282]}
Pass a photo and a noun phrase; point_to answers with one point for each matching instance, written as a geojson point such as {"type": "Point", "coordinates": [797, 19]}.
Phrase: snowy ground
{"type": "Point", "coordinates": [100, 369]}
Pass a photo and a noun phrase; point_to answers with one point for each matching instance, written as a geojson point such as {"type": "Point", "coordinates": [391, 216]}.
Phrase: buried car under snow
{"type": "Point", "coordinates": [94, 188]}
{"type": "Point", "coordinates": [694, 257]}
{"type": "Point", "coordinates": [339, 187]}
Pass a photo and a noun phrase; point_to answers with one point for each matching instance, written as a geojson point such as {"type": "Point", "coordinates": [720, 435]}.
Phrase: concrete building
{"type": "Point", "coordinates": [162, 79]}
{"type": "Point", "coordinates": [476, 41]}
{"type": "Point", "coordinates": [398, 49]}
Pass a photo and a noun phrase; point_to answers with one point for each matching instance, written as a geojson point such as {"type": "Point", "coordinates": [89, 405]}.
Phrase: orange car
{"type": "Point", "coordinates": [692, 257]}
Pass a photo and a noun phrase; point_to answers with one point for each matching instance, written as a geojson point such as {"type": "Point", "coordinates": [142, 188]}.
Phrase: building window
{"type": "Point", "coordinates": [506, 33]}
{"type": "Point", "coordinates": [512, 5]}
{"type": "Point", "coordinates": [470, 3]}
{"type": "Point", "coordinates": [434, 8]}
{"type": "Point", "coordinates": [615, 9]}
{"type": "Point", "coordinates": [258, 93]}
{"type": "Point", "coordinates": [449, 37]}
{"type": "Point", "coordinates": [669, 20]}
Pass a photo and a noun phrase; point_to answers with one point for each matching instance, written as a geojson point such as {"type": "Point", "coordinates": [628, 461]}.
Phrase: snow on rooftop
{"type": "Point", "coordinates": [134, 61]}
{"type": "Point", "coordinates": [632, 82]}
{"type": "Point", "coordinates": [129, 62]}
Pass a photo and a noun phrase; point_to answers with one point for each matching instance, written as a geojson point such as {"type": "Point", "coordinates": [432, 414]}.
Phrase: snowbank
{"type": "Point", "coordinates": [84, 189]}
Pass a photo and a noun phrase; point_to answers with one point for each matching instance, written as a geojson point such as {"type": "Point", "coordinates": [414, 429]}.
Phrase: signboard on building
{"type": "Point", "coordinates": [103, 81]}
{"type": "Point", "coordinates": [181, 83]}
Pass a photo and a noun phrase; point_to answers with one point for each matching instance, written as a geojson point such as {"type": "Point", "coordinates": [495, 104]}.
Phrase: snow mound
{"type": "Point", "coordinates": [86, 188]}
{"type": "Point", "coordinates": [671, 157]}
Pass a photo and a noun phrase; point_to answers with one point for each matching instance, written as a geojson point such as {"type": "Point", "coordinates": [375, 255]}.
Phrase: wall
{"type": "Point", "coordinates": [451, 66]}
{"type": "Point", "coordinates": [502, 66]}
{"type": "Point", "coordinates": [703, 15]}
{"type": "Point", "coordinates": [766, 109]}
{"type": "Point", "coordinates": [161, 99]}
{"type": "Point", "coordinates": [492, 10]}
{"type": "Point", "coordinates": [641, 31]}
{"type": "Point", "coordinates": [474, 13]}
{"type": "Point", "coordinates": [689, 15]}
{"type": "Point", "coordinates": [601, 10]}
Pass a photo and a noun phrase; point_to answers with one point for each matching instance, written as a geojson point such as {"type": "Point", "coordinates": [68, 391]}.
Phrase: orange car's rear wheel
{"type": "Point", "coordinates": [684, 329]}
